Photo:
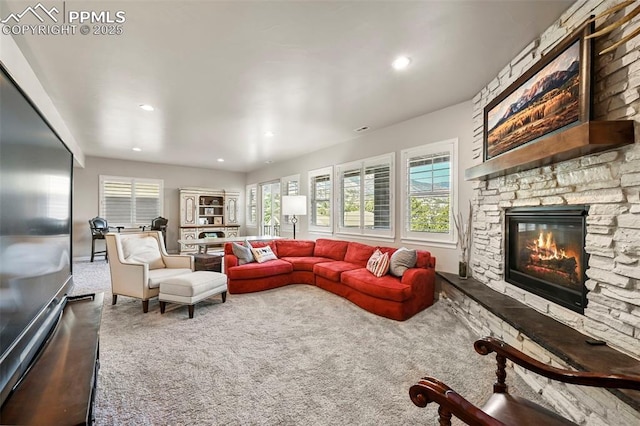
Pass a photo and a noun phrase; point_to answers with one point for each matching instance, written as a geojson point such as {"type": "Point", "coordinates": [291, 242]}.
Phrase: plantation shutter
{"type": "Point", "coordinates": [147, 202]}
{"type": "Point", "coordinates": [130, 202]}
{"type": "Point", "coordinates": [377, 196]}
{"type": "Point", "coordinates": [252, 204]}
{"type": "Point", "coordinates": [365, 196]}
{"type": "Point", "coordinates": [320, 201]}
{"type": "Point", "coordinates": [351, 206]}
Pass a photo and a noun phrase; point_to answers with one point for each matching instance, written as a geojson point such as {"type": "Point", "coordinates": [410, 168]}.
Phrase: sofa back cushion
{"type": "Point", "coordinates": [142, 250]}
{"type": "Point", "coordinates": [358, 254]}
{"type": "Point", "coordinates": [332, 249]}
{"type": "Point", "coordinates": [389, 250]}
{"type": "Point", "coordinates": [425, 260]}
{"type": "Point", "coordinates": [295, 248]}
{"type": "Point", "coordinates": [272, 244]}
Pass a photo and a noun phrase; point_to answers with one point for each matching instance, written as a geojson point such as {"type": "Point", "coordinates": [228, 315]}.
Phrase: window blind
{"type": "Point", "coordinates": [130, 202]}
{"type": "Point", "coordinates": [365, 196]}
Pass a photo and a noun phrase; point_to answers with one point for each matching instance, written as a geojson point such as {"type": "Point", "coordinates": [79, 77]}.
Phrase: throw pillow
{"type": "Point", "coordinates": [243, 253]}
{"type": "Point", "coordinates": [142, 250]}
{"type": "Point", "coordinates": [402, 260]}
{"type": "Point", "coordinates": [262, 254]}
{"type": "Point", "coordinates": [378, 263]}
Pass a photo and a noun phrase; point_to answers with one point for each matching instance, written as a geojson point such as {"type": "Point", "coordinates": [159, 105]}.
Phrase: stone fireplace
{"type": "Point", "coordinates": [545, 253]}
{"type": "Point", "coordinates": [608, 182]}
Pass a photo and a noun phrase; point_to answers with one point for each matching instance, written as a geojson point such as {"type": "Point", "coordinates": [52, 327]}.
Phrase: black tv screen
{"type": "Point", "coordinates": [35, 231]}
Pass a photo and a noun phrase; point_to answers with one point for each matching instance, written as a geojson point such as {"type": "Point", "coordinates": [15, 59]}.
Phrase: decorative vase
{"type": "Point", "coordinates": [463, 269]}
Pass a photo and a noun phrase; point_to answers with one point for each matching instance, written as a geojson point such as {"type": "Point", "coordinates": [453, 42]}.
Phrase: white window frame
{"type": "Point", "coordinates": [285, 184]}
{"type": "Point", "coordinates": [446, 240]}
{"type": "Point", "coordinates": [249, 189]}
{"type": "Point", "coordinates": [131, 181]}
{"type": "Point", "coordinates": [362, 165]}
{"type": "Point", "coordinates": [313, 174]}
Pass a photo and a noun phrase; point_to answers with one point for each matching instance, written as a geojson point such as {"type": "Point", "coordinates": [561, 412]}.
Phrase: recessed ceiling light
{"type": "Point", "coordinates": [401, 62]}
{"type": "Point", "coordinates": [269, 134]}
{"type": "Point", "coordinates": [220, 160]}
{"type": "Point", "coordinates": [136, 149]}
{"type": "Point", "coordinates": [362, 129]}
{"type": "Point", "coordinates": [146, 107]}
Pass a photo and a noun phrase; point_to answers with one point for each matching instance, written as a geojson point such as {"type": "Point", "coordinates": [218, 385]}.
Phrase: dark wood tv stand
{"type": "Point", "coordinates": [60, 386]}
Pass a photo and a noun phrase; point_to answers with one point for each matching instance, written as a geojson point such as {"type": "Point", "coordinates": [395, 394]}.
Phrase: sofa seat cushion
{"type": "Point", "coordinates": [156, 276]}
{"type": "Point", "coordinates": [294, 248]}
{"type": "Point", "coordinates": [259, 270]}
{"type": "Point", "coordinates": [305, 263]}
{"type": "Point", "coordinates": [332, 270]}
{"type": "Point", "coordinates": [386, 287]}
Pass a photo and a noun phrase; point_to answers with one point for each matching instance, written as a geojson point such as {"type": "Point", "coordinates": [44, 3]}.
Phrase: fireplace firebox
{"type": "Point", "coordinates": [545, 253]}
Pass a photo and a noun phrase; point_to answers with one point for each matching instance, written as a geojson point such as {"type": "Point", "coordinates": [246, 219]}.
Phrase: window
{"type": "Point", "coordinates": [364, 196]}
{"type": "Point", "coordinates": [270, 208]}
{"type": "Point", "coordinates": [430, 192]}
{"type": "Point", "coordinates": [130, 202]}
{"type": "Point", "coordinates": [320, 215]}
{"type": "Point", "coordinates": [252, 205]}
{"type": "Point", "coordinates": [290, 185]}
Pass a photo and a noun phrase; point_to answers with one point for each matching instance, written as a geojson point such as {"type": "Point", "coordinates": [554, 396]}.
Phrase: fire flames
{"type": "Point", "coordinates": [545, 248]}
{"type": "Point", "coordinates": [546, 260]}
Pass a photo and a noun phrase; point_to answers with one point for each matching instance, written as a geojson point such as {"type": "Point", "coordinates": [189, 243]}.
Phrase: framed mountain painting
{"type": "Point", "coordinates": [552, 95]}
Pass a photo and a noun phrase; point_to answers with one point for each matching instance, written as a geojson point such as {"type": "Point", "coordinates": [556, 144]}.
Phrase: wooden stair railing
{"type": "Point", "coordinates": [503, 409]}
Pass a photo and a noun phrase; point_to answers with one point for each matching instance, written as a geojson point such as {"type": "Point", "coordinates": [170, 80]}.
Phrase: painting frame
{"type": "Point", "coordinates": [512, 128]}
{"type": "Point", "coordinates": [217, 220]}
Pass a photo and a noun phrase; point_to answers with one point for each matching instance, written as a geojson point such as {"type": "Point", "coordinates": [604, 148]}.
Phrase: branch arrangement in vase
{"type": "Point", "coordinates": [464, 232]}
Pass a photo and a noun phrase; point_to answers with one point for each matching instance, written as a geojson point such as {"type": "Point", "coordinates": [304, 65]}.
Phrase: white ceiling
{"type": "Point", "coordinates": [221, 74]}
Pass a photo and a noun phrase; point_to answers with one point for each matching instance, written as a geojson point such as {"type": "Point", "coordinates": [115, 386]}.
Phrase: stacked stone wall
{"type": "Point", "coordinates": [608, 182]}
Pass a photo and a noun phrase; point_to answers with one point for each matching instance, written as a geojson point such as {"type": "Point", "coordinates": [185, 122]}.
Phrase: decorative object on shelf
{"type": "Point", "coordinates": [293, 205]}
{"type": "Point", "coordinates": [208, 211]}
{"type": "Point", "coordinates": [203, 221]}
{"type": "Point", "coordinates": [464, 239]}
{"type": "Point", "coordinates": [619, 23]}
{"type": "Point", "coordinates": [554, 94]}
{"type": "Point", "coordinates": [217, 220]}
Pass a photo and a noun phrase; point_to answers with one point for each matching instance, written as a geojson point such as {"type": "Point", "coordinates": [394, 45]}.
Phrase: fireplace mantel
{"type": "Point", "coordinates": [576, 141]}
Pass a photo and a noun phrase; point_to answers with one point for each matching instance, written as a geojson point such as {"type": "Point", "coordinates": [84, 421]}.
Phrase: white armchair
{"type": "Point", "coordinates": [139, 262]}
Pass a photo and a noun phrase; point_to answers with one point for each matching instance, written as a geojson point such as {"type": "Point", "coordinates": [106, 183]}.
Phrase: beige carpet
{"type": "Point", "coordinates": [296, 355]}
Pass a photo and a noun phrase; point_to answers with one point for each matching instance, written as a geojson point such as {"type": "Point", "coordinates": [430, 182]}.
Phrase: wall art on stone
{"type": "Point", "coordinates": [552, 95]}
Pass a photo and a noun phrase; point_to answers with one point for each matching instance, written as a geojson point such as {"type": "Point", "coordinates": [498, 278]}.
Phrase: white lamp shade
{"type": "Point", "coordinates": [294, 205]}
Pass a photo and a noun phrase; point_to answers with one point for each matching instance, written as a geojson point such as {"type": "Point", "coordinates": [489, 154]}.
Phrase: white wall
{"type": "Point", "coordinates": [448, 123]}
{"type": "Point", "coordinates": [20, 70]}
{"type": "Point", "coordinates": [86, 193]}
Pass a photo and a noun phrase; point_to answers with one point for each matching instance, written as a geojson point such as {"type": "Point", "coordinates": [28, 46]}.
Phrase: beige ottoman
{"type": "Point", "coordinates": [191, 288]}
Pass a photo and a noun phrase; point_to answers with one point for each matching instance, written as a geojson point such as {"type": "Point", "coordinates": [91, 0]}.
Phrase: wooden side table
{"type": "Point", "coordinates": [208, 262]}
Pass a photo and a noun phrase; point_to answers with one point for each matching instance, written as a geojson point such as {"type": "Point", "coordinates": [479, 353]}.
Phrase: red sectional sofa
{"type": "Point", "coordinates": [339, 267]}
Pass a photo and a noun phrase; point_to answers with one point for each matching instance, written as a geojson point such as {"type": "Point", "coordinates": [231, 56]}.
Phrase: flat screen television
{"type": "Point", "coordinates": [36, 178]}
